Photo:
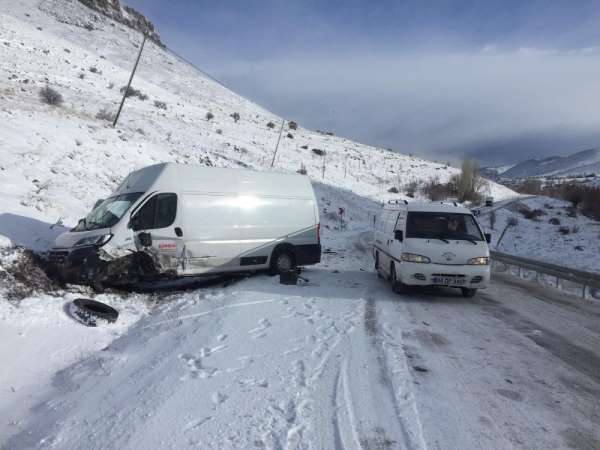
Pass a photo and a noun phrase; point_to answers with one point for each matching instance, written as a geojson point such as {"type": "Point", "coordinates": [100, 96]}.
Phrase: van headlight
{"type": "Point", "coordinates": [479, 261]}
{"type": "Point", "coordinates": [411, 257]}
{"type": "Point", "coordinates": [94, 240]}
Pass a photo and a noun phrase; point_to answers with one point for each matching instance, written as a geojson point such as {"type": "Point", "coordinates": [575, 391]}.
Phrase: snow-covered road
{"type": "Point", "coordinates": [338, 363]}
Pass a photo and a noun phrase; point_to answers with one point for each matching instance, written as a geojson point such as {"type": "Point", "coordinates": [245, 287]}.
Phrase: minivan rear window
{"type": "Point", "coordinates": [441, 225]}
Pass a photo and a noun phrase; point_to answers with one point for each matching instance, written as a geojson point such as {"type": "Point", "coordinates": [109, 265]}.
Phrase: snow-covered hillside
{"type": "Point", "coordinates": [551, 233]}
{"type": "Point", "coordinates": [57, 160]}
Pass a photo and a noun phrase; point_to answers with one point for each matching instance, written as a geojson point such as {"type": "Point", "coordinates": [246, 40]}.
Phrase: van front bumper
{"type": "Point", "coordinates": [73, 264]}
{"type": "Point", "coordinates": [468, 276]}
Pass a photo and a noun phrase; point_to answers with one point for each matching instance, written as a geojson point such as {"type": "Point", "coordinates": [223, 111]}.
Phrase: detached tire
{"type": "Point", "coordinates": [282, 260]}
{"type": "Point", "coordinates": [468, 293]}
{"type": "Point", "coordinates": [89, 311]}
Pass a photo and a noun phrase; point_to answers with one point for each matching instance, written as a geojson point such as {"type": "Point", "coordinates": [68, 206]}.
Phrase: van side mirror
{"type": "Point", "coordinates": [488, 238]}
{"type": "Point", "coordinates": [145, 239]}
{"type": "Point", "coordinates": [398, 235]}
{"type": "Point", "coordinates": [135, 223]}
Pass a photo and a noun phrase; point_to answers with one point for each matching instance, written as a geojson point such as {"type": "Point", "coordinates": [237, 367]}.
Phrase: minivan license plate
{"type": "Point", "coordinates": [448, 281]}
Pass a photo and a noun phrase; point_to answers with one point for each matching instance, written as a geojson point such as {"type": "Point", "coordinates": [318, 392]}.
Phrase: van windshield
{"type": "Point", "coordinates": [108, 213]}
{"type": "Point", "coordinates": [441, 225]}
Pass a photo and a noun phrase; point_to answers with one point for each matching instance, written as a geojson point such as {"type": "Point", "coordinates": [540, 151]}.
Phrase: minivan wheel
{"type": "Point", "coordinates": [466, 292]}
{"type": "Point", "coordinates": [377, 265]}
{"type": "Point", "coordinates": [282, 261]}
{"type": "Point", "coordinates": [397, 286]}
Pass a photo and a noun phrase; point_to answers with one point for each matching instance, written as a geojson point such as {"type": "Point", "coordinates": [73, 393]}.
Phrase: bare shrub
{"type": "Point", "coordinates": [160, 104]}
{"type": "Point", "coordinates": [95, 70]}
{"type": "Point", "coordinates": [468, 183]}
{"type": "Point", "coordinates": [318, 151]}
{"type": "Point", "coordinates": [411, 189]}
{"type": "Point", "coordinates": [290, 136]}
{"type": "Point", "coordinates": [302, 169]}
{"type": "Point", "coordinates": [51, 96]}
{"type": "Point", "coordinates": [105, 114]}
{"type": "Point", "coordinates": [575, 229]}
{"type": "Point", "coordinates": [573, 193]}
{"type": "Point", "coordinates": [235, 116]}
{"type": "Point", "coordinates": [25, 276]}
{"type": "Point", "coordinates": [393, 190]}
{"type": "Point", "coordinates": [209, 116]}
{"type": "Point", "coordinates": [270, 125]}
{"type": "Point", "coordinates": [305, 147]}
{"type": "Point", "coordinates": [531, 186]}
{"type": "Point", "coordinates": [132, 92]}
{"type": "Point", "coordinates": [292, 125]}
{"type": "Point", "coordinates": [512, 221]}
{"type": "Point", "coordinates": [554, 221]}
{"type": "Point", "coordinates": [531, 214]}
{"type": "Point", "coordinates": [435, 191]}
{"type": "Point", "coordinates": [564, 230]}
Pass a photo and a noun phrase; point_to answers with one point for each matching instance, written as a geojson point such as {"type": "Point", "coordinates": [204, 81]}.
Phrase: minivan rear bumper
{"type": "Point", "coordinates": [469, 276]}
{"type": "Point", "coordinates": [307, 254]}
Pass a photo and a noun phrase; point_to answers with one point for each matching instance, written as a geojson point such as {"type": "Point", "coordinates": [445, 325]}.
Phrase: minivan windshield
{"type": "Point", "coordinates": [442, 225]}
{"type": "Point", "coordinates": [108, 213]}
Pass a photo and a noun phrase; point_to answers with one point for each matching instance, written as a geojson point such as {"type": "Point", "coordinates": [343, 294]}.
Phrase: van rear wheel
{"type": "Point", "coordinates": [282, 261]}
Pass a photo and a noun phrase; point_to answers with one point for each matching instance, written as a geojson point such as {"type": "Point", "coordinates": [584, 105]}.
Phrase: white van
{"type": "Point", "coordinates": [437, 243]}
{"type": "Point", "coordinates": [184, 220]}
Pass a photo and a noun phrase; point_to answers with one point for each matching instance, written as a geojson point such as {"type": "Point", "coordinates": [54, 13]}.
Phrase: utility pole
{"type": "Point", "coordinates": [278, 139]}
{"type": "Point", "coordinates": [129, 82]}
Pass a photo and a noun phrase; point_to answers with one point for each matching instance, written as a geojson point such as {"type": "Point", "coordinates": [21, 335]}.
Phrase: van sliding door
{"type": "Point", "coordinates": [223, 229]}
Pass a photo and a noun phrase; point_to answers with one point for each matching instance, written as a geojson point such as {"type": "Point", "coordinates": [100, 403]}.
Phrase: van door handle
{"type": "Point", "coordinates": [178, 231]}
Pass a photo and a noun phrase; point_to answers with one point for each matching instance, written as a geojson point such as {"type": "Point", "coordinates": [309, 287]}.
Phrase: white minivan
{"type": "Point", "coordinates": [431, 244]}
{"type": "Point", "coordinates": [185, 220]}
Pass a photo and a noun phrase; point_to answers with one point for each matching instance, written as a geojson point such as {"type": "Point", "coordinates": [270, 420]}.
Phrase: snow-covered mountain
{"type": "Point", "coordinates": [577, 164]}
{"type": "Point", "coordinates": [57, 160]}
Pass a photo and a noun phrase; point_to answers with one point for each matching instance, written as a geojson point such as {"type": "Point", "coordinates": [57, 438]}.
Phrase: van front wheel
{"type": "Point", "coordinates": [397, 286]}
{"type": "Point", "coordinates": [377, 265]}
{"type": "Point", "coordinates": [466, 292]}
{"type": "Point", "coordinates": [282, 261]}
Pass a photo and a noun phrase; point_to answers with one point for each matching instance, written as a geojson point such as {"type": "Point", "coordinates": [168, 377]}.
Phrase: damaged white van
{"type": "Point", "coordinates": [431, 244]}
{"type": "Point", "coordinates": [172, 220]}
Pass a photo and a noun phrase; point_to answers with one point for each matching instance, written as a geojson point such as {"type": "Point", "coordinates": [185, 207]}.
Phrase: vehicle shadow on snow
{"type": "Point", "coordinates": [32, 234]}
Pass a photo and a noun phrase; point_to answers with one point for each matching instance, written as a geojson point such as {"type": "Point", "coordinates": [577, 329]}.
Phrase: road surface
{"type": "Point", "coordinates": [338, 363]}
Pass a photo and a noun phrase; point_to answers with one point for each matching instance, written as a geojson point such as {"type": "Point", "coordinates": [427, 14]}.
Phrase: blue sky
{"type": "Point", "coordinates": [499, 80]}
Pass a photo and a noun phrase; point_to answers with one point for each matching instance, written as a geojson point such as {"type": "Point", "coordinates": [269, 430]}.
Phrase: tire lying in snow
{"type": "Point", "coordinates": [89, 311]}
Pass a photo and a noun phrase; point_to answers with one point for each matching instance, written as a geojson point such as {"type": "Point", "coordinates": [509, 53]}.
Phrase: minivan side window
{"type": "Point", "coordinates": [158, 212]}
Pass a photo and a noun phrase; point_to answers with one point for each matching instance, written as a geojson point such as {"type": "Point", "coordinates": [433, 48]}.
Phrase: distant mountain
{"type": "Point", "coordinates": [577, 164]}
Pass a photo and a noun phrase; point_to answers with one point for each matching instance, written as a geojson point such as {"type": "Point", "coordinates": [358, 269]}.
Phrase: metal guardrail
{"type": "Point", "coordinates": [585, 279]}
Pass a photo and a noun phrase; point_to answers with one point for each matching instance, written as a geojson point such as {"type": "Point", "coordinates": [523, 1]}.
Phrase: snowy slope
{"type": "Point", "coordinates": [58, 160]}
{"type": "Point", "coordinates": [577, 246]}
